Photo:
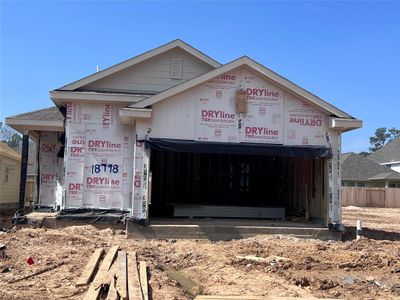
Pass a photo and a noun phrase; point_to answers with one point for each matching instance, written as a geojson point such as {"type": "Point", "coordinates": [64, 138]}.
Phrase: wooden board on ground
{"type": "Point", "coordinates": [121, 285]}
{"type": "Point", "coordinates": [134, 289]}
{"type": "Point", "coordinates": [102, 276]}
{"type": "Point", "coordinates": [112, 291]}
{"type": "Point", "coordinates": [87, 273]}
{"type": "Point", "coordinates": [143, 279]}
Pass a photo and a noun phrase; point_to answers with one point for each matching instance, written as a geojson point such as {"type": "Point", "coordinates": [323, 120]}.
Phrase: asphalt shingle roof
{"type": "Point", "coordinates": [45, 114]}
{"type": "Point", "coordinates": [359, 168]}
{"type": "Point", "coordinates": [388, 153]}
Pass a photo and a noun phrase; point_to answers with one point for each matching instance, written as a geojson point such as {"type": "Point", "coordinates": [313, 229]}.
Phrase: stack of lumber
{"type": "Point", "coordinates": [116, 276]}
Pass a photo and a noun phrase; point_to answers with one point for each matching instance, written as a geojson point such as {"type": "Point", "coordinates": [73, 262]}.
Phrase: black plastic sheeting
{"type": "Point", "coordinates": [238, 148]}
{"type": "Point", "coordinates": [93, 216]}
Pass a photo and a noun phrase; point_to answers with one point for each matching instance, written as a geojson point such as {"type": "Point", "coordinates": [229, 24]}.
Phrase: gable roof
{"type": "Point", "coordinates": [356, 167]}
{"type": "Point", "coordinates": [255, 67]}
{"type": "Point", "coordinates": [138, 59]}
{"type": "Point", "coordinates": [388, 153]}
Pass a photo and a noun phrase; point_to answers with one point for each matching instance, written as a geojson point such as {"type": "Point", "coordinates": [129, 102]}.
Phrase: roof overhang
{"type": "Point", "coordinates": [260, 70]}
{"type": "Point", "coordinates": [391, 179]}
{"type": "Point", "coordinates": [61, 97]}
{"type": "Point", "coordinates": [390, 163]}
{"type": "Point", "coordinates": [344, 124]}
{"type": "Point", "coordinates": [32, 126]}
{"type": "Point", "coordinates": [127, 115]}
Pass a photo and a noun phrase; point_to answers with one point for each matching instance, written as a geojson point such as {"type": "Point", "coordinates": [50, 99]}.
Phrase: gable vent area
{"type": "Point", "coordinates": [176, 68]}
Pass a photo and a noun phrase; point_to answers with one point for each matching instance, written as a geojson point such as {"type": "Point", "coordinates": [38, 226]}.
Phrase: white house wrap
{"type": "Point", "coordinates": [50, 172]}
{"type": "Point", "coordinates": [99, 157]}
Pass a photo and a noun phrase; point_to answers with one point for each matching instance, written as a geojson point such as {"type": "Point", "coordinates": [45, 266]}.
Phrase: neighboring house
{"type": "Point", "coordinates": [173, 128]}
{"type": "Point", "coordinates": [10, 164]}
{"type": "Point", "coordinates": [360, 171]}
{"type": "Point", "coordinates": [388, 155]}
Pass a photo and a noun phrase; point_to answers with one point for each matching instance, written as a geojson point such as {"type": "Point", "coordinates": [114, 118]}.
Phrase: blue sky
{"type": "Point", "coordinates": [347, 53]}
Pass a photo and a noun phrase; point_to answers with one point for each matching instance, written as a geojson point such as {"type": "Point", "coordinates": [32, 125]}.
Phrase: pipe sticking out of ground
{"type": "Point", "coordinates": [359, 229]}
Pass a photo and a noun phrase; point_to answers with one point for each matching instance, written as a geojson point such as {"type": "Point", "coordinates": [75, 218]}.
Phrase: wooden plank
{"type": "Point", "coordinates": [102, 276]}
{"type": "Point", "coordinates": [112, 291]}
{"type": "Point", "coordinates": [121, 275]}
{"type": "Point", "coordinates": [87, 273]}
{"type": "Point", "coordinates": [143, 279]}
{"type": "Point", "coordinates": [134, 289]}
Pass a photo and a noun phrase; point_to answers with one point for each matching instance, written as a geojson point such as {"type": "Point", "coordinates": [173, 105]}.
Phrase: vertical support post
{"type": "Point", "coordinates": [24, 170]}
{"type": "Point", "coordinates": [326, 192]}
{"type": "Point", "coordinates": [334, 174]}
{"type": "Point", "coordinates": [37, 172]}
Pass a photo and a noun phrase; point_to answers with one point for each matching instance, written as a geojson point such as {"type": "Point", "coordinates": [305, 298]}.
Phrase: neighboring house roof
{"type": "Point", "coordinates": [356, 167]}
{"type": "Point", "coordinates": [7, 151]}
{"type": "Point", "coordinates": [138, 59]}
{"type": "Point", "coordinates": [46, 114]}
{"type": "Point", "coordinates": [388, 153]}
{"type": "Point", "coordinates": [258, 69]}
{"type": "Point", "coordinates": [47, 119]}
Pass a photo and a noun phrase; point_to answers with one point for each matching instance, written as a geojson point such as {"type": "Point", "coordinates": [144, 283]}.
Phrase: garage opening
{"type": "Point", "coordinates": [197, 180]}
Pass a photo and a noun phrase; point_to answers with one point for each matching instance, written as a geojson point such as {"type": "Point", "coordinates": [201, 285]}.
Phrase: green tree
{"type": "Point", "coordinates": [10, 137]}
{"type": "Point", "coordinates": [364, 153]}
{"type": "Point", "coordinates": [382, 137]}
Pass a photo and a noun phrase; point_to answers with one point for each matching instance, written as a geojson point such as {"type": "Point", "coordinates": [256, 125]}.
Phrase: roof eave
{"type": "Point", "coordinates": [344, 124]}
{"type": "Point", "coordinates": [61, 97]}
{"type": "Point", "coordinates": [25, 125]}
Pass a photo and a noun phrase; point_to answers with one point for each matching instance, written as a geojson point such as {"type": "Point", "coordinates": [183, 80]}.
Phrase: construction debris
{"type": "Point", "coordinates": [143, 279]}
{"type": "Point", "coordinates": [116, 280]}
{"type": "Point", "coordinates": [134, 288]}
{"type": "Point", "coordinates": [256, 259]}
{"type": "Point", "coordinates": [122, 286]}
{"type": "Point", "coordinates": [112, 290]}
{"type": "Point", "coordinates": [102, 279]}
{"type": "Point", "coordinates": [90, 267]}
{"type": "Point", "coordinates": [310, 272]}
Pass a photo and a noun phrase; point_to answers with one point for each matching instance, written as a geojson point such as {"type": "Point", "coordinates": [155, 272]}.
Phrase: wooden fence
{"type": "Point", "coordinates": [371, 197]}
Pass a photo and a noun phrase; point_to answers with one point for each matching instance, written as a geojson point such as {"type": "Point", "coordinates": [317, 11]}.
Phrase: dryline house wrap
{"type": "Point", "coordinates": [175, 99]}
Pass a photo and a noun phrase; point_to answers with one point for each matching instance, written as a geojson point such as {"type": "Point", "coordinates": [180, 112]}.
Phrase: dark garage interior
{"type": "Point", "coordinates": [233, 184]}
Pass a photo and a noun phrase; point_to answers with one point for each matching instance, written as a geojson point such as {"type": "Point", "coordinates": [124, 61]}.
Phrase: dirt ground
{"type": "Point", "coordinates": [364, 269]}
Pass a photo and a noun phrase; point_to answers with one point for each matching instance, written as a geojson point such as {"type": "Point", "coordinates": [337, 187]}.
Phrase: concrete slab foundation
{"type": "Point", "coordinates": [200, 229]}
{"type": "Point", "coordinates": [51, 220]}
{"type": "Point", "coordinates": [225, 229]}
